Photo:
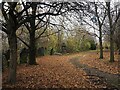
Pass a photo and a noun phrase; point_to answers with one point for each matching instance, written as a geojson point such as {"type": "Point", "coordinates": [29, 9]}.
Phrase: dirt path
{"type": "Point", "coordinates": [95, 75]}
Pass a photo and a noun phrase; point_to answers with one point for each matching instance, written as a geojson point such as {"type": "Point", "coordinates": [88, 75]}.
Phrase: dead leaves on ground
{"type": "Point", "coordinates": [51, 72]}
{"type": "Point", "coordinates": [92, 60]}
{"type": "Point", "coordinates": [57, 72]}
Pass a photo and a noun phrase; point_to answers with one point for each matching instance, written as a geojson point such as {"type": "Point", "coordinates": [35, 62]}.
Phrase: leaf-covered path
{"type": "Point", "coordinates": [56, 72]}
{"type": "Point", "coordinates": [96, 76]}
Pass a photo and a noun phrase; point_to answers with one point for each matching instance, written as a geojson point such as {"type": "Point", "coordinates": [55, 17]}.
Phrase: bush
{"type": "Point", "coordinates": [92, 45]}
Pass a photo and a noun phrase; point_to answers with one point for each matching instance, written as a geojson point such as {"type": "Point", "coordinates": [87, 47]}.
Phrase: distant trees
{"type": "Point", "coordinates": [94, 16]}
{"type": "Point", "coordinates": [76, 40]}
{"type": "Point", "coordinates": [80, 40]}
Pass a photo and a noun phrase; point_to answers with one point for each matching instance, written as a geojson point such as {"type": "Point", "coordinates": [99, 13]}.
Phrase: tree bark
{"type": "Point", "coordinates": [111, 32]}
{"type": "Point", "coordinates": [100, 23]}
{"type": "Point", "coordinates": [32, 49]}
{"type": "Point", "coordinates": [13, 58]}
{"type": "Point", "coordinates": [101, 46]}
{"type": "Point", "coordinates": [111, 47]}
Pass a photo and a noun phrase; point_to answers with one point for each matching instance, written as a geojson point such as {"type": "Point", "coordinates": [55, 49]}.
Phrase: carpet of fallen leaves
{"type": "Point", "coordinates": [92, 59]}
{"type": "Point", "coordinates": [57, 72]}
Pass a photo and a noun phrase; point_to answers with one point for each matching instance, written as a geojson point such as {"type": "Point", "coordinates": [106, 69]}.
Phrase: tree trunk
{"type": "Point", "coordinates": [111, 47]}
{"type": "Point", "coordinates": [59, 42]}
{"type": "Point", "coordinates": [111, 32]}
{"type": "Point", "coordinates": [13, 58]}
{"type": "Point", "coordinates": [101, 46]}
{"type": "Point", "coordinates": [32, 49]}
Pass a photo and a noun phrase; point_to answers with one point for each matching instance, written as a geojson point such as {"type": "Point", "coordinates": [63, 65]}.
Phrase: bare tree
{"type": "Point", "coordinates": [117, 35]}
{"type": "Point", "coordinates": [112, 27]}
{"type": "Point", "coordinates": [100, 24]}
{"type": "Point", "coordinates": [12, 20]}
{"type": "Point", "coordinates": [96, 13]}
{"type": "Point", "coordinates": [39, 14]}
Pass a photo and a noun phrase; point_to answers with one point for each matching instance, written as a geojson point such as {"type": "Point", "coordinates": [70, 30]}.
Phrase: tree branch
{"type": "Point", "coordinates": [23, 42]}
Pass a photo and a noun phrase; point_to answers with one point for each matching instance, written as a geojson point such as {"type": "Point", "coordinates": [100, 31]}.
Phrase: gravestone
{"type": "Point", "coordinates": [41, 51]}
{"type": "Point", "coordinates": [119, 51]}
{"type": "Point", "coordinates": [5, 59]}
{"type": "Point", "coordinates": [6, 56]}
{"type": "Point", "coordinates": [51, 51]}
{"type": "Point", "coordinates": [63, 47]}
{"type": "Point", "coordinates": [24, 56]}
